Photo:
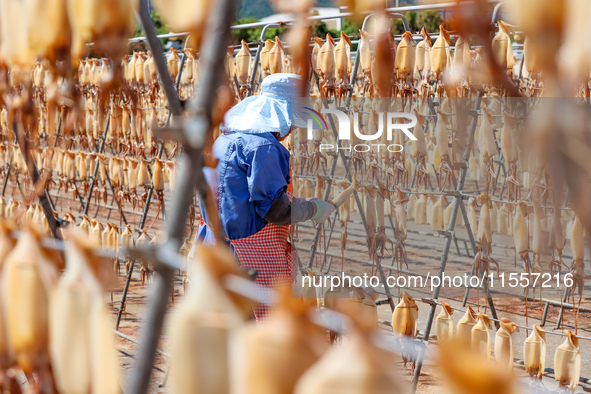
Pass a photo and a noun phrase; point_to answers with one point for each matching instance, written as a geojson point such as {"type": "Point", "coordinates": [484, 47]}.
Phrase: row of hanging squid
{"type": "Point", "coordinates": [474, 331]}
{"type": "Point", "coordinates": [388, 67]}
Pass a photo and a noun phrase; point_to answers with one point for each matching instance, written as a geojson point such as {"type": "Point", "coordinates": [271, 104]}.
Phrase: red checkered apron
{"type": "Point", "coordinates": [269, 253]}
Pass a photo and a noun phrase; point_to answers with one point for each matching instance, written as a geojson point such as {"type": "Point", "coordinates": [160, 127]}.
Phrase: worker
{"type": "Point", "coordinates": [250, 182]}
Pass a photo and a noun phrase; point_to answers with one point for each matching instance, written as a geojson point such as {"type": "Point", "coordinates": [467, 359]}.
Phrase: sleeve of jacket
{"type": "Point", "coordinates": [284, 212]}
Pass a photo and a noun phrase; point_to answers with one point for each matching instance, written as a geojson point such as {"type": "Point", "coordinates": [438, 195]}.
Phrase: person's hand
{"type": "Point", "coordinates": [323, 210]}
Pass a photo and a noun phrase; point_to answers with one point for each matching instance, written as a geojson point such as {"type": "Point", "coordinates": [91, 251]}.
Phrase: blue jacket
{"type": "Point", "coordinates": [252, 170]}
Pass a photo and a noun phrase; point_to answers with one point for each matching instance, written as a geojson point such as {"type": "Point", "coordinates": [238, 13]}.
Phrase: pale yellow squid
{"type": "Point", "coordinates": [365, 58]}
{"type": "Point", "coordinates": [400, 218]}
{"type": "Point", "coordinates": [488, 149]}
{"type": "Point", "coordinates": [243, 67]}
{"type": "Point", "coordinates": [441, 57]}
{"type": "Point", "coordinates": [342, 55]}
{"type": "Point", "coordinates": [327, 67]}
{"type": "Point", "coordinates": [442, 139]}
{"type": "Point", "coordinates": [509, 148]}
{"type": "Point", "coordinates": [405, 64]}
{"type": "Point", "coordinates": [483, 259]}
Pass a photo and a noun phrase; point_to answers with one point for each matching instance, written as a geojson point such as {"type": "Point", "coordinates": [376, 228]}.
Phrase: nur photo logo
{"type": "Point", "coordinates": [386, 123]}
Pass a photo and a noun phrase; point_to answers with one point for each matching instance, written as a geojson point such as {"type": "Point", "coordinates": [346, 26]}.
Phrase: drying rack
{"type": "Point", "coordinates": [192, 134]}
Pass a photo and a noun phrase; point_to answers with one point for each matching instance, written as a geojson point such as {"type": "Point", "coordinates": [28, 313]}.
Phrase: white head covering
{"type": "Point", "coordinates": [275, 109]}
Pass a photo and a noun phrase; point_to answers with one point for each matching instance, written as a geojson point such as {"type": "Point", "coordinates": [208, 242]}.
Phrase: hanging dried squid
{"type": "Point", "coordinates": [276, 55]}
{"type": "Point", "coordinates": [520, 234]}
{"type": "Point", "coordinates": [534, 353]}
{"type": "Point", "coordinates": [481, 336]}
{"type": "Point", "coordinates": [483, 259]}
{"type": "Point", "coordinates": [444, 324]}
{"type": "Point", "coordinates": [370, 192]}
{"type": "Point", "coordinates": [567, 362]}
{"type": "Point", "coordinates": [423, 56]}
{"type": "Point", "coordinates": [419, 151]}
{"type": "Point", "coordinates": [504, 343]}
{"type": "Point", "coordinates": [509, 148]}
{"type": "Point", "coordinates": [404, 319]}
{"type": "Point", "coordinates": [465, 325]}
{"type": "Point", "coordinates": [441, 53]}
{"type": "Point", "coordinates": [342, 59]}
{"type": "Point", "coordinates": [381, 239]}
{"type": "Point", "coordinates": [405, 59]}
{"type": "Point", "coordinates": [365, 59]}
{"type": "Point", "coordinates": [442, 139]}
{"type": "Point", "coordinates": [577, 244]}
{"type": "Point", "coordinates": [265, 57]}
{"type": "Point", "coordinates": [400, 226]}
{"type": "Point", "coordinates": [490, 148]}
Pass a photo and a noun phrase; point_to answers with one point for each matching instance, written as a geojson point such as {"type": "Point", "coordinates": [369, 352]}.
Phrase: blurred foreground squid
{"type": "Point", "coordinates": [82, 346]}
{"type": "Point", "coordinates": [298, 37]}
{"type": "Point", "coordinates": [15, 52]}
{"type": "Point", "coordinates": [243, 66]}
{"type": "Point", "coordinates": [483, 259]}
{"type": "Point", "coordinates": [186, 15]}
{"type": "Point", "coordinates": [29, 276]}
{"type": "Point", "coordinates": [503, 48]}
{"type": "Point", "coordinates": [356, 366]}
{"type": "Point", "coordinates": [276, 353]}
{"type": "Point", "coordinates": [6, 359]}
{"type": "Point", "coordinates": [203, 326]}
{"type": "Point", "coordinates": [464, 371]}
{"type": "Point", "coordinates": [108, 24]}
{"type": "Point", "coordinates": [385, 59]}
